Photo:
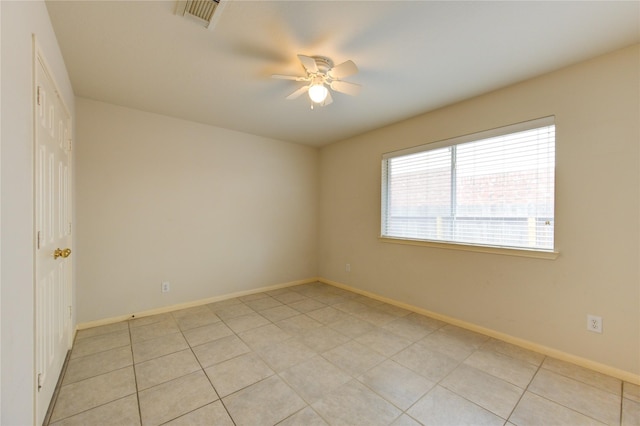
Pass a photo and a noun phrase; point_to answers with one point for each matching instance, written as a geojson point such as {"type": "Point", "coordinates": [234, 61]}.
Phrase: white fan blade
{"type": "Point", "coordinates": [289, 77]}
{"type": "Point", "coordinates": [345, 69]}
{"type": "Point", "coordinates": [345, 87]}
{"type": "Point", "coordinates": [298, 92]}
{"type": "Point", "coordinates": [308, 63]}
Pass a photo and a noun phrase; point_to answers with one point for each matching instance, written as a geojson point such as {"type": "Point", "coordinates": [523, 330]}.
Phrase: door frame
{"type": "Point", "coordinates": [40, 58]}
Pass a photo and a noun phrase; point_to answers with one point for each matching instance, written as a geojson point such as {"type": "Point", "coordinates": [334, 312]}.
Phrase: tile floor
{"type": "Point", "coordinates": [315, 355]}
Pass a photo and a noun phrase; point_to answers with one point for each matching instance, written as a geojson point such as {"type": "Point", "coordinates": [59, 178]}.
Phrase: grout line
{"type": "Point", "coordinates": [526, 389]}
{"type": "Point", "coordinates": [135, 375]}
{"type": "Point", "coordinates": [56, 391]}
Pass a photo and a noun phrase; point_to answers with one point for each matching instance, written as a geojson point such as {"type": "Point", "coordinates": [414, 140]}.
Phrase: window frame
{"type": "Point", "coordinates": [540, 253]}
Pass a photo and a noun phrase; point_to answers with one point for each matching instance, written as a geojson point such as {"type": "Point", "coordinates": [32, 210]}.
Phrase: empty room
{"type": "Point", "coordinates": [365, 212]}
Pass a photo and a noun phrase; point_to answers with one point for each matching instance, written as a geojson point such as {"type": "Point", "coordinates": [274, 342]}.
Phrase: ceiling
{"type": "Point", "coordinates": [413, 56]}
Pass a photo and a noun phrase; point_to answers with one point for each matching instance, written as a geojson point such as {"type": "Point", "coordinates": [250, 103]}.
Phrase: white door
{"type": "Point", "coordinates": [53, 235]}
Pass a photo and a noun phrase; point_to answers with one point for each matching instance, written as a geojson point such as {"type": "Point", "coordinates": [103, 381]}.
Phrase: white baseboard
{"type": "Point", "coordinates": [192, 304]}
{"type": "Point", "coordinates": [580, 361]}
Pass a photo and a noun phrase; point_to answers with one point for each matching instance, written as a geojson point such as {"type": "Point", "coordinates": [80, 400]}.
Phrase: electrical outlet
{"type": "Point", "coordinates": [594, 323]}
{"type": "Point", "coordinates": [165, 286]}
{"type": "Point", "coordinates": [347, 267]}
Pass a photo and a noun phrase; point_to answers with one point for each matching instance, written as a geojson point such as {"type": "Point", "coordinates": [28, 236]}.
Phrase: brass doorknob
{"type": "Point", "coordinates": [61, 253]}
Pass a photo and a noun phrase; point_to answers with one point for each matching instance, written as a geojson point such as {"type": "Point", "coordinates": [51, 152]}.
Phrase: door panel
{"type": "Point", "coordinates": [53, 231]}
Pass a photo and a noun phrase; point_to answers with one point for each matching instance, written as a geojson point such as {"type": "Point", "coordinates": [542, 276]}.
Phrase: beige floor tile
{"type": "Point", "coordinates": [428, 363]}
{"type": "Point", "coordinates": [355, 404]}
{"type": "Point", "coordinates": [238, 373]}
{"type": "Point", "coordinates": [223, 304]}
{"type": "Point", "coordinates": [100, 343]}
{"type": "Point", "coordinates": [151, 319]}
{"type": "Point", "coordinates": [376, 317]}
{"type": "Point", "coordinates": [630, 412]}
{"type": "Point", "coordinates": [104, 329]}
{"type": "Point", "coordinates": [246, 322]}
{"type": "Point", "coordinates": [514, 351]}
{"type": "Point", "coordinates": [96, 364]}
{"type": "Point", "coordinates": [306, 417]}
{"type": "Point", "coordinates": [264, 403]}
{"type": "Point", "coordinates": [165, 368]}
{"type": "Point", "coordinates": [153, 330]}
{"type": "Point", "coordinates": [207, 333]}
{"type": "Point", "coordinates": [211, 414]}
{"type": "Point", "coordinates": [397, 384]}
{"type": "Point", "coordinates": [329, 299]}
{"type": "Point", "coordinates": [327, 315]}
{"type": "Point", "coordinates": [285, 354]}
{"type": "Point", "coordinates": [352, 307]}
{"type": "Point", "coordinates": [448, 344]}
{"type": "Point", "coordinates": [405, 420]}
{"type": "Point", "coordinates": [199, 319]}
{"type": "Point", "coordinates": [160, 346]}
{"type": "Point", "coordinates": [120, 412]}
{"type": "Point", "coordinates": [322, 339]}
{"type": "Point", "coordinates": [264, 336]}
{"type": "Point", "coordinates": [289, 297]}
{"type": "Point", "coordinates": [631, 391]}
{"type": "Point", "coordinates": [279, 313]}
{"type": "Point", "coordinates": [596, 403]}
{"type": "Point", "coordinates": [314, 378]}
{"type": "Point", "coordinates": [233, 311]}
{"type": "Point", "coordinates": [220, 350]}
{"type": "Point", "coordinates": [441, 407]}
{"type": "Point", "coordinates": [173, 399]}
{"type": "Point", "coordinates": [483, 389]}
{"type": "Point", "coordinates": [534, 410]}
{"type": "Point", "coordinates": [519, 373]}
{"type": "Point", "coordinates": [464, 335]}
{"type": "Point", "coordinates": [298, 324]}
{"type": "Point", "coordinates": [352, 327]}
{"type": "Point", "coordinates": [353, 357]}
{"type": "Point", "coordinates": [90, 393]}
{"type": "Point", "coordinates": [581, 374]}
{"type": "Point", "coordinates": [193, 311]}
{"type": "Point", "coordinates": [264, 303]}
{"type": "Point", "coordinates": [383, 341]}
{"type": "Point", "coordinates": [306, 305]}
{"type": "Point", "coordinates": [409, 329]}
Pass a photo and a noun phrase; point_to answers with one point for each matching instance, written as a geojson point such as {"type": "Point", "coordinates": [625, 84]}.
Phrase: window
{"type": "Point", "coordinates": [494, 188]}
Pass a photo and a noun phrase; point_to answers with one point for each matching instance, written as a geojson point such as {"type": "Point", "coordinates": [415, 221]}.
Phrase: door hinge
{"type": "Point", "coordinates": [39, 381]}
{"type": "Point", "coordinates": [69, 311]}
{"type": "Point", "coordinates": [69, 228]}
{"type": "Point", "coordinates": [38, 240]}
{"type": "Point", "coordinates": [38, 95]}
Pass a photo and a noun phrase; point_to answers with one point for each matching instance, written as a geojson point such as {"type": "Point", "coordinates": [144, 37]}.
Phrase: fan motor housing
{"type": "Point", "coordinates": [324, 64]}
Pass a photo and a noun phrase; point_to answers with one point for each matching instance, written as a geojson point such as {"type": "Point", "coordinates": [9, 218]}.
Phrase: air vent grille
{"type": "Point", "coordinates": [200, 10]}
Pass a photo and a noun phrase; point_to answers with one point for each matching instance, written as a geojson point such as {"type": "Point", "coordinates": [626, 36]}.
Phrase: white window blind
{"type": "Point", "coordinates": [494, 188]}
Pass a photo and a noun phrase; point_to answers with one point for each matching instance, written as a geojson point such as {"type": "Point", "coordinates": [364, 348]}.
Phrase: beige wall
{"type": "Point", "coordinates": [21, 19]}
{"type": "Point", "coordinates": [546, 302]}
{"type": "Point", "coordinates": [210, 210]}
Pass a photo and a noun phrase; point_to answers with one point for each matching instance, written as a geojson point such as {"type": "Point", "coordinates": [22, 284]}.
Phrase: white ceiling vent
{"type": "Point", "coordinates": [204, 12]}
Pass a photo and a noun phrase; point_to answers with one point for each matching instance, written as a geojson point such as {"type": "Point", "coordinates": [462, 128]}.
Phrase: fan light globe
{"type": "Point", "coordinates": [318, 93]}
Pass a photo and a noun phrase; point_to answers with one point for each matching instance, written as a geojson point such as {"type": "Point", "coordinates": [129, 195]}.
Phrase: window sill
{"type": "Point", "coordinates": [537, 254]}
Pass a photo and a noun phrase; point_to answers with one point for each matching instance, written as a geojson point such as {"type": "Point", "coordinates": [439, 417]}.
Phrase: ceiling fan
{"type": "Point", "coordinates": [322, 73]}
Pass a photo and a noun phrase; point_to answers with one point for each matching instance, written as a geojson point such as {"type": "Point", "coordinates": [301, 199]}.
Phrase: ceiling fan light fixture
{"type": "Point", "coordinates": [318, 93]}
